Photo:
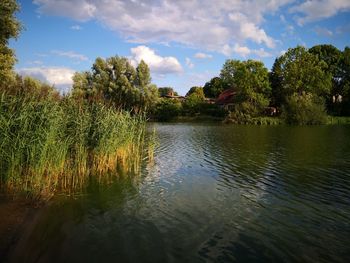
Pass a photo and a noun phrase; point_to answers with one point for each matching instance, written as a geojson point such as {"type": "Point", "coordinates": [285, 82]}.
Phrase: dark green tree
{"type": "Point", "coordinates": [250, 80]}
{"type": "Point", "coordinates": [195, 89]}
{"type": "Point", "coordinates": [194, 99]}
{"type": "Point", "coordinates": [10, 27]}
{"type": "Point", "coordinates": [299, 71]}
{"type": "Point", "coordinates": [344, 81]}
{"type": "Point", "coordinates": [164, 91]}
{"type": "Point", "coordinates": [214, 87]}
{"type": "Point", "coordinates": [117, 82]}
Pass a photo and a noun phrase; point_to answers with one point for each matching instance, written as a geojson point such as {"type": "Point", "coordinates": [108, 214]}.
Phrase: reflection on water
{"type": "Point", "coordinates": [214, 193]}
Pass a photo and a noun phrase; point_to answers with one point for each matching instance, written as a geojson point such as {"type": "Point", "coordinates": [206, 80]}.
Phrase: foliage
{"type": "Point", "coordinates": [198, 90]}
{"type": "Point", "coordinates": [212, 110]}
{"type": "Point", "coordinates": [51, 143]}
{"type": "Point", "coordinates": [167, 109]}
{"type": "Point", "coordinates": [194, 99]}
{"type": "Point", "coordinates": [213, 88]}
{"type": "Point", "coordinates": [9, 28]}
{"type": "Point", "coordinates": [117, 82]}
{"type": "Point", "coordinates": [304, 109]}
{"type": "Point", "coordinates": [164, 91]}
{"type": "Point", "coordinates": [299, 71]}
{"type": "Point", "coordinates": [251, 83]}
{"type": "Point", "coordinates": [344, 81]}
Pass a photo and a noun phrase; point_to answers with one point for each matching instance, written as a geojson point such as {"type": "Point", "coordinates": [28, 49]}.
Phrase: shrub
{"type": "Point", "coordinates": [167, 109]}
{"type": "Point", "coordinates": [304, 109]}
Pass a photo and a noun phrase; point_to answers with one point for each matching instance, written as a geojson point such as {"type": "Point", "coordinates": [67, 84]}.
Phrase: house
{"type": "Point", "coordinates": [226, 98]}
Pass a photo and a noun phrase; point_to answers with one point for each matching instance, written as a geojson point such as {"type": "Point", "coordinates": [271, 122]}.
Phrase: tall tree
{"type": "Point", "coordinates": [299, 71]}
{"type": "Point", "coordinates": [164, 91]}
{"type": "Point", "coordinates": [117, 81]}
{"type": "Point", "coordinates": [197, 90]}
{"type": "Point", "coordinates": [10, 27]}
{"type": "Point", "coordinates": [344, 80]}
{"type": "Point", "coordinates": [214, 87]}
{"type": "Point", "coordinates": [249, 79]}
{"type": "Point", "coordinates": [332, 57]}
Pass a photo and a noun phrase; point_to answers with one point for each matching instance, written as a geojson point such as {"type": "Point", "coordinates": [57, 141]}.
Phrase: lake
{"type": "Point", "coordinates": [214, 193]}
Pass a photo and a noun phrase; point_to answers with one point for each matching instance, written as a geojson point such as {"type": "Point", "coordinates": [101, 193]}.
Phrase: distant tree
{"type": "Point", "coordinates": [304, 109]}
{"type": "Point", "coordinates": [10, 27]}
{"type": "Point", "coordinates": [167, 109]}
{"type": "Point", "coordinates": [344, 80]}
{"type": "Point", "coordinates": [194, 99]}
{"type": "Point", "coordinates": [251, 82]}
{"type": "Point", "coordinates": [195, 89]}
{"type": "Point", "coordinates": [332, 57]}
{"type": "Point", "coordinates": [164, 91]}
{"type": "Point", "coordinates": [299, 71]}
{"type": "Point", "coordinates": [117, 82]}
{"type": "Point", "coordinates": [214, 87]}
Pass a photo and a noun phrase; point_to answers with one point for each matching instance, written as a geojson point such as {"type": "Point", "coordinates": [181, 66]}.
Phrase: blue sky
{"type": "Point", "coordinates": [185, 42]}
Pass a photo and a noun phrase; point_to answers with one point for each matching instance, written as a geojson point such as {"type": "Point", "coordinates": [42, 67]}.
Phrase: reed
{"type": "Point", "coordinates": [50, 144]}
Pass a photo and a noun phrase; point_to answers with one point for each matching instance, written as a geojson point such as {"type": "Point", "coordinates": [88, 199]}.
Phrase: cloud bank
{"type": "Point", "coordinates": [209, 25]}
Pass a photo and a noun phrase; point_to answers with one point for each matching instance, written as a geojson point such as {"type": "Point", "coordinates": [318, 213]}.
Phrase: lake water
{"type": "Point", "coordinates": [215, 193]}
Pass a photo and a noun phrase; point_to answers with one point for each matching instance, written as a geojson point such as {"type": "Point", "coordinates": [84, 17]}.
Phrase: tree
{"type": "Point", "coordinates": [304, 109]}
{"type": "Point", "coordinates": [117, 82]}
{"type": "Point", "coordinates": [214, 87]}
{"type": "Point", "coordinates": [332, 57]}
{"type": "Point", "coordinates": [299, 71]}
{"type": "Point", "coordinates": [167, 109]}
{"type": "Point", "coordinates": [194, 99]}
{"type": "Point", "coordinates": [344, 80]}
{"type": "Point", "coordinates": [164, 91]}
{"type": "Point", "coordinates": [251, 82]}
{"type": "Point", "coordinates": [10, 27]}
{"type": "Point", "coordinates": [197, 90]}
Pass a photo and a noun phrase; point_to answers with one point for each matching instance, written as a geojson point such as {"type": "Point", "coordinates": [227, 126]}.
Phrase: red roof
{"type": "Point", "coordinates": [226, 97]}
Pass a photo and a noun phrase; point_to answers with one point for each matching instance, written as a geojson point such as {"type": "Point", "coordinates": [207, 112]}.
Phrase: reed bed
{"type": "Point", "coordinates": [50, 144]}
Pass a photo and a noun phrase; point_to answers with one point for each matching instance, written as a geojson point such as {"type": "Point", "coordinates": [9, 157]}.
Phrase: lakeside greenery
{"type": "Point", "coordinates": [304, 86]}
{"type": "Point", "coordinates": [52, 143]}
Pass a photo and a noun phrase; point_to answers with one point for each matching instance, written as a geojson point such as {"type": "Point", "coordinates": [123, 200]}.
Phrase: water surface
{"type": "Point", "coordinates": [215, 193]}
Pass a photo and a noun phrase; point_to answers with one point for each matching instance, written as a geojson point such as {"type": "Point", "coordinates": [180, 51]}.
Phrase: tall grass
{"type": "Point", "coordinates": [50, 144]}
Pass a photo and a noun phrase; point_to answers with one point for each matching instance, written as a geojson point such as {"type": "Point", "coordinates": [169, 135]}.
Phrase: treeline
{"type": "Point", "coordinates": [304, 85]}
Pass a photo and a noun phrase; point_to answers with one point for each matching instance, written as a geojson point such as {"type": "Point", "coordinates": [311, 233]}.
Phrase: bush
{"type": "Point", "coordinates": [304, 109]}
{"type": "Point", "coordinates": [212, 110]}
{"type": "Point", "coordinates": [167, 109]}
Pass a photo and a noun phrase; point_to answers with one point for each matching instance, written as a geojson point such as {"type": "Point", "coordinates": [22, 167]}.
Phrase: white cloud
{"type": "Point", "coordinates": [76, 27]}
{"type": "Point", "coordinates": [314, 10]}
{"type": "Point", "coordinates": [189, 63]}
{"type": "Point", "coordinates": [59, 76]}
{"type": "Point", "coordinates": [201, 55]}
{"type": "Point", "coordinates": [157, 64]}
{"type": "Point", "coordinates": [205, 24]}
{"type": "Point", "coordinates": [262, 53]}
{"type": "Point", "coordinates": [242, 51]}
{"type": "Point", "coordinates": [249, 30]}
{"type": "Point", "coordinates": [70, 54]}
{"type": "Point", "coordinates": [321, 31]}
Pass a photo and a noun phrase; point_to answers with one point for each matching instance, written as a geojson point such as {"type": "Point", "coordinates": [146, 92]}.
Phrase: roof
{"type": "Point", "coordinates": [226, 97]}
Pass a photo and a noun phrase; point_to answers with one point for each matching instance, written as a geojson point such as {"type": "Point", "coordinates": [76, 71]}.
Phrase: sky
{"type": "Point", "coordinates": [184, 42]}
